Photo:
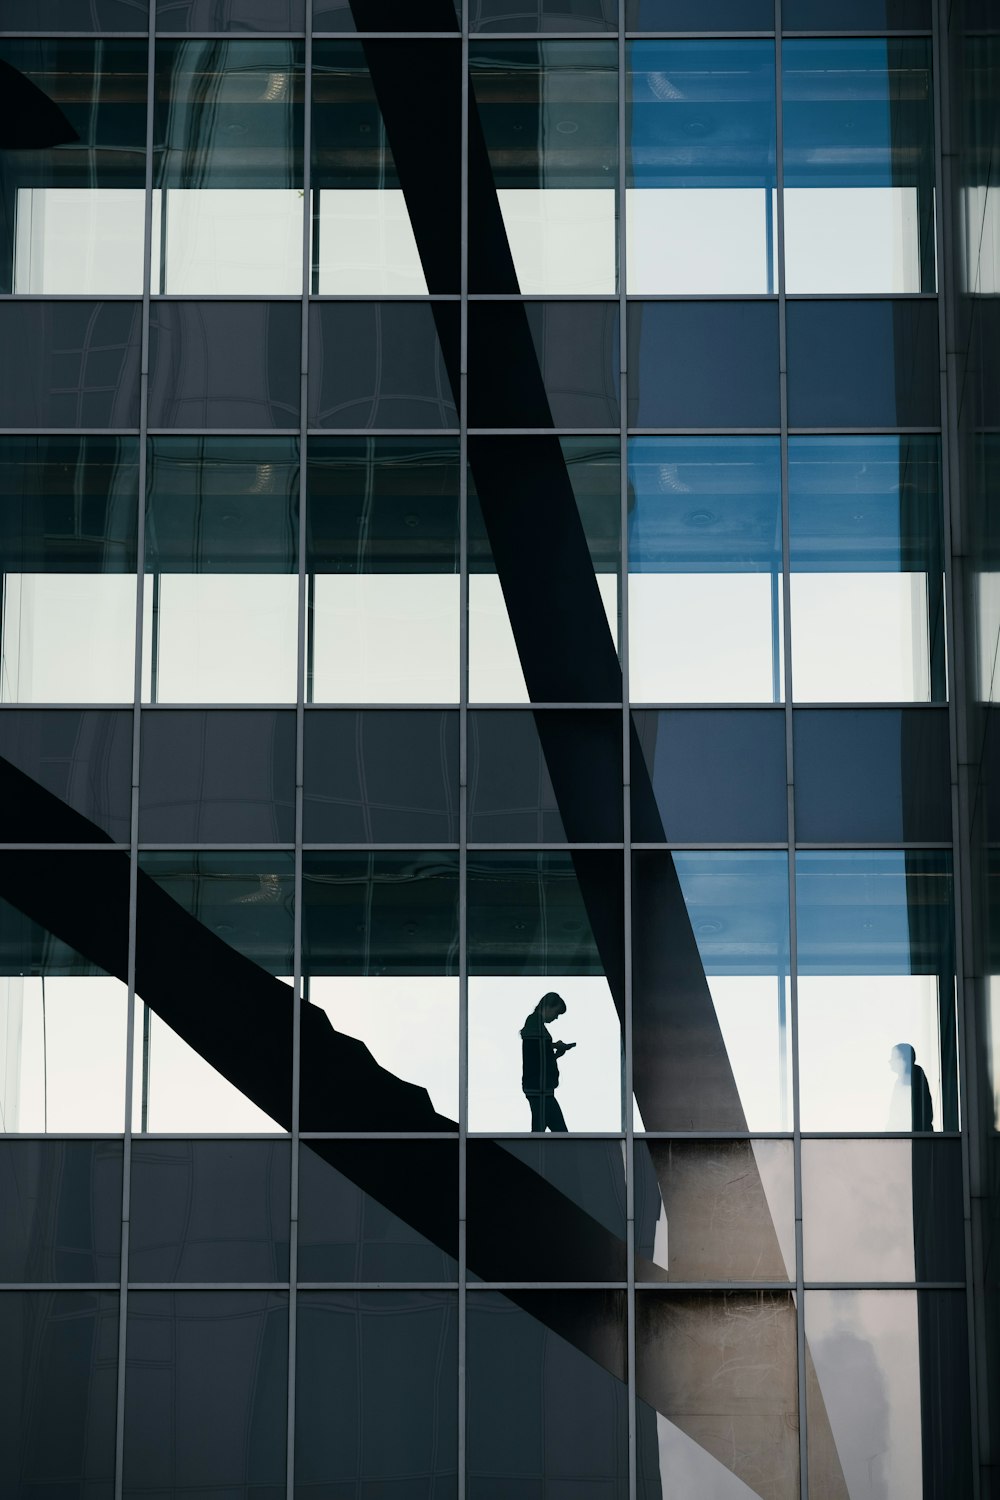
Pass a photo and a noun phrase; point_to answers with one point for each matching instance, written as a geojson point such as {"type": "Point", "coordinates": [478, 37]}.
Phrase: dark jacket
{"type": "Point", "coordinates": [539, 1068]}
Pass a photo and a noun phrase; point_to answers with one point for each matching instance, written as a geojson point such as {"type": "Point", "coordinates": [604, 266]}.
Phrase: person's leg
{"type": "Point", "coordinates": [553, 1114]}
{"type": "Point", "coordinates": [537, 1104]}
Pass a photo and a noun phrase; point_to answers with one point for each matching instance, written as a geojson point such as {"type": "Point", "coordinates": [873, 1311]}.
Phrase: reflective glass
{"type": "Point", "coordinates": [383, 560]}
{"type": "Point", "coordinates": [867, 569]}
{"type": "Point", "coordinates": [72, 212]}
{"type": "Point", "coordinates": [385, 15]}
{"type": "Point", "coordinates": [699, 15]}
{"type": "Point", "coordinates": [713, 774]}
{"type": "Point", "coordinates": [676, 378]}
{"type": "Point", "coordinates": [701, 209]}
{"type": "Point", "coordinates": [548, 113]}
{"type": "Point", "coordinates": [367, 236]}
{"type": "Point", "coordinates": [378, 1210]}
{"type": "Point", "coordinates": [380, 958]}
{"type": "Point", "coordinates": [544, 936]}
{"type": "Point", "coordinates": [376, 1408]}
{"type": "Point", "coordinates": [206, 1393]}
{"type": "Point", "coordinates": [568, 1222]}
{"type": "Point", "coordinates": [546, 1396]}
{"type": "Point", "coordinates": [58, 1393]}
{"type": "Point", "coordinates": [66, 15]}
{"type": "Point", "coordinates": [224, 364]}
{"type": "Point", "coordinates": [226, 777]}
{"type": "Point", "coordinates": [82, 759]}
{"type": "Point", "coordinates": [63, 1211]}
{"type": "Point", "coordinates": [381, 777]}
{"type": "Point", "coordinates": [887, 1380]}
{"type": "Point", "coordinates": [77, 364]}
{"type": "Point", "coordinates": [221, 587]}
{"type": "Point", "coordinates": [383, 364]}
{"type": "Point", "coordinates": [859, 164]}
{"type": "Point", "coordinates": [511, 797]}
{"type": "Point", "coordinates": [543, 364]}
{"type": "Point", "coordinates": [213, 1025]}
{"type": "Point", "coordinates": [865, 15]}
{"type": "Point", "coordinates": [877, 1048]}
{"type": "Point", "coordinates": [544, 15]}
{"type": "Point", "coordinates": [882, 1211]}
{"type": "Point", "coordinates": [230, 15]}
{"type": "Point", "coordinates": [544, 527]}
{"type": "Point", "coordinates": [863, 364]}
{"type": "Point", "coordinates": [705, 574]}
{"type": "Point", "coordinates": [209, 1211]}
{"type": "Point", "coordinates": [711, 1007]}
{"type": "Point", "coordinates": [714, 1211]}
{"type": "Point", "coordinates": [63, 997]}
{"type": "Point", "coordinates": [718, 1403]}
{"type": "Point", "coordinates": [872, 774]}
{"type": "Point", "coordinates": [228, 213]}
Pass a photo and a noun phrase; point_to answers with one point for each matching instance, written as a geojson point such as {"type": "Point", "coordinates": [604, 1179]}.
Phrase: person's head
{"type": "Point", "coordinates": [901, 1059]}
{"type": "Point", "coordinates": [550, 1006]}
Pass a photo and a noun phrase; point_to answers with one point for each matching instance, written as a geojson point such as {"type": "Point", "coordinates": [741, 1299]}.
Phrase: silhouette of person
{"type": "Point", "coordinates": [540, 1063]}
{"type": "Point", "coordinates": [912, 1107]}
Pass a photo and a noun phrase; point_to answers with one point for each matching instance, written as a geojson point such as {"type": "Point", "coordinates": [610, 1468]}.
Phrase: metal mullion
{"type": "Point", "coordinates": [461, 1457]}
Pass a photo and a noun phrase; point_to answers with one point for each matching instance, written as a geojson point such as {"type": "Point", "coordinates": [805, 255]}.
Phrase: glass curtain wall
{"type": "Point", "coordinates": [481, 1012]}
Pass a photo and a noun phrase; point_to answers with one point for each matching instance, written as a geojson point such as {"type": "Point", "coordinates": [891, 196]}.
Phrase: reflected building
{"type": "Point", "coordinates": [496, 505]}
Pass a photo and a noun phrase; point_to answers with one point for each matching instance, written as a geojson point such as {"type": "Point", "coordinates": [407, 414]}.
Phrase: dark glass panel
{"type": "Point", "coordinates": [546, 1398]}
{"type": "Point", "coordinates": [376, 1410]}
{"type": "Point", "coordinates": [68, 505]}
{"type": "Point", "coordinates": [58, 1393]}
{"type": "Point", "coordinates": [222, 505]}
{"type": "Point", "coordinates": [677, 377]}
{"type": "Point", "coordinates": [863, 15]}
{"type": "Point", "coordinates": [546, 1210]}
{"type": "Point", "coordinates": [77, 364]}
{"type": "Point", "coordinates": [82, 759]}
{"type": "Point", "coordinates": [887, 1383]}
{"type": "Point", "coordinates": [206, 1393]}
{"type": "Point", "coordinates": [882, 1211]}
{"type": "Point", "coordinates": [716, 775]}
{"type": "Point", "coordinates": [226, 777]}
{"type": "Point", "coordinates": [543, 364]}
{"type": "Point", "coordinates": [245, 898]}
{"type": "Point", "coordinates": [701, 1214]}
{"type": "Point", "coordinates": [381, 777]}
{"type": "Point", "coordinates": [699, 15]}
{"type": "Point", "coordinates": [869, 364]}
{"type": "Point", "coordinates": [209, 1211]}
{"type": "Point", "coordinates": [62, 1220]}
{"type": "Point", "coordinates": [380, 914]}
{"type": "Point", "coordinates": [230, 15]}
{"type": "Point", "coordinates": [385, 15]}
{"type": "Point", "coordinates": [544, 15]}
{"type": "Point", "coordinates": [510, 789]}
{"type": "Point", "coordinates": [398, 373]}
{"type": "Point", "coordinates": [721, 1368]}
{"type": "Point", "coordinates": [72, 171]}
{"type": "Point", "coordinates": [872, 774]}
{"type": "Point", "coordinates": [378, 1211]}
{"type": "Point", "coordinates": [67, 15]}
{"type": "Point", "coordinates": [224, 364]}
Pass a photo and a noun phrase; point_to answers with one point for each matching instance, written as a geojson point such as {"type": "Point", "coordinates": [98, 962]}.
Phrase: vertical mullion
{"type": "Point", "coordinates": [463, 730]}
{"type": "Point", "coordinates": [300, 691]}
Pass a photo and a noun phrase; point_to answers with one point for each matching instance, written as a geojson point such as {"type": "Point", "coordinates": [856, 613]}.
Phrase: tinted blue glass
{"type": "Point", "coordinates": [678, 378]}
{"type": "Point", "coordinates": [866, 364]}
{"type": "Point", "coordinates": [845, 15]}
{"type": "Point", "coordinates": [715, 775]}
{"type": "Point", "coordinates": [699, 15]}
{"type": "Point", "coordinates": [874, 912]}
{"type": "Point", "coordinates": [879, 774]}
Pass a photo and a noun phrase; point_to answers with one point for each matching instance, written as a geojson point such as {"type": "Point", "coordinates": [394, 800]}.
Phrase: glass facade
{"type": "Point", "coordinates": [497, 881]}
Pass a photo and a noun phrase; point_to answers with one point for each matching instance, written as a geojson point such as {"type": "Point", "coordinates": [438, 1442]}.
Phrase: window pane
{"type": "Point", "coordinates": [548, 113]}
{"type": "Point", "coordinates": [402, 369]}
{"type": "Point", "coordinates": [846, 15]}
{"type": "Point", "coordinates": [677, 378]}
{"type": "Point", "coordinates": [62, 1013]}
{"type": "Point", "coordinates": [859, 164]}
{"type": "Point", "coordinates": [536, 629]}
{"type": "Point", "coordinates": [213, 1039]}
{"type": "Point", "coordinates": [82, 759]}
{"type": "Point", "coordinates": [77, 365]}
{"type": "Point", "coordinates": [711, 1017]}
{"type": "Point", "coordinates": [228, 206]}
{"type": "Point", "coordinates": [544, 15]}
{"type": "Point", "coordinates": [206, 1391]}
{"type": "Point", "coordinates": [71, 180]}
{"type": "Point", "coordinates": [65, 15]}
{"type": "Point", "coordinates": [542, 930]}
{"type": "Point", "coordinates": [700, 201]}
{"type": "Point", "coordinates": [867, 566]}
{"type": "Point", "coordinates": [705, 570]}
{"type": "Point", "coordinates": [377, 1402]}
{"type": "Point", "coordinates": [714, 1211]}
{"type": "Point", "coordinates": [380, 952]}
{"type": "Point", "coordinates": [229, 15]}
{"type": "Point", "coordinates": [714, 775]}
{"type": "Point", "coordinates": [699, 15]}
{"type": "Point", "coordinates": [383, 537]}
{"type": "Point", "coordinates": [543, 364]}
{"type": "Point", "coordinates": [863, 364]}
{"type": "Point", "coordinates": [385, 15]}
{"type": "Point", "coordinates": [63, 1213]}
{"type": "Point", "coordinates": [511, 797]}
{"type": "Point", "coordinates": [877, 1053]}
{"type": "Point", "coordinates": [224, 364]}
{"type": "Point", "coordinates": [381, 777]}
